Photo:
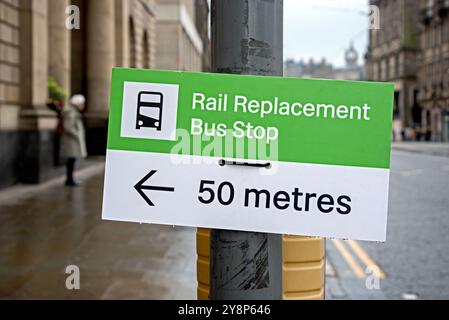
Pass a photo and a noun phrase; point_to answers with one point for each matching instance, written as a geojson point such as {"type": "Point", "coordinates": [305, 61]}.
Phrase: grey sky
{"type": "Point", "coordinates": [324, 28]}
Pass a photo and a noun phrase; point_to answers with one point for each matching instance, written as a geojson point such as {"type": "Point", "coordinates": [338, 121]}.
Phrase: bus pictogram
{"type": "Point", "coordinates": [149, 110]}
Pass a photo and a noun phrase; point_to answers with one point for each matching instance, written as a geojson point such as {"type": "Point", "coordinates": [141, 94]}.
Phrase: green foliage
{"type": "Point", "coordinates": [55, 92]}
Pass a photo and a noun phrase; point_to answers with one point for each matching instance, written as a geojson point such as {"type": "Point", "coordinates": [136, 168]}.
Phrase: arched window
{"type": "Point", "coordinates": [132, 44]}
{"type": "Point", "coordinates": [146, 51]}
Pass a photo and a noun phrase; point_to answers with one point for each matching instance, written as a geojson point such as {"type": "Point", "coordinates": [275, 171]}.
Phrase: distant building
{"type": "Point", "coordinates": [311, 69]}
{"type": "Point", "coordinates": [392, 54]}
{"type": "Point", "coordinates": [433, 73]}
{"type": "Point", "coordinates": [352, 70]}
{"type": "Point", "coordinates": [411, 49]}
{"type": "Point", "coordinates": [325, 70]}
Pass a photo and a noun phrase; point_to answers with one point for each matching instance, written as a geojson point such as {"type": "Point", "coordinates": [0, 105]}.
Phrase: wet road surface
{"type": "Point", "coordinates": [43, 234]}
{"type": "Point", "coordinates": [415, 257]}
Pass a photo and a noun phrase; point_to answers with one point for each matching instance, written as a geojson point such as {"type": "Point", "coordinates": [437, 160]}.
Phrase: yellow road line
{"type": "Point", "coordinates": [356, 268]}
{"type": "Point", "coordinates": [366, 259]}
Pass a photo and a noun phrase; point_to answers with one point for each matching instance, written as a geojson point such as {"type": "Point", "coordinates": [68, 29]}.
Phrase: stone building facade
{"type": "Point", "coordinates": [433, 73]}
{"type": "Point", "coordinates": [35, 44]}
{"type": "Point", "coordinates": [179, 44]}
{"type": "Point", "coordinates": [202, 23]}
{"type": "Point", "coordinates": [392, 54]}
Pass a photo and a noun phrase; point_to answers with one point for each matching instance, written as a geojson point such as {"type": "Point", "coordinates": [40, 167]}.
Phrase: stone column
{"type": "Point", "coordinates": [34, 60]}
{"type": "Point", "coordinates": [100, 60]}
{"type": "Point", "coordinates": [121, 33]}
{"type": "Point", "coordinates": [100, 57]}
{"type": "Point", "coordinates": [59, 44]}
{"type": "Point", "coordinates": [424, 123]}
{"type": "Point", "coordinates": [37, 122]}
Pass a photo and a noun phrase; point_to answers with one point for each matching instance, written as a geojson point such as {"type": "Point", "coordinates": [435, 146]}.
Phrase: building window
{"type": "Point", "coordinates": [396, 105]}
{"type": "Point", "coordinates": [397, 67]}
{"type": "Point", "coordinates": [387, 71]}
{"type": "Point", "coordinates": [146, 51]}
{"type": "Point", "coordinates": [384, 70]}
{"type": "Point", "coordinates": [132, 44]}
{"type": "Point", "coordinates": [379, 71]}
{"type": "Point", "coordinates": [445, 32]}
{"type": "Point", "coordinates": [446, 74]}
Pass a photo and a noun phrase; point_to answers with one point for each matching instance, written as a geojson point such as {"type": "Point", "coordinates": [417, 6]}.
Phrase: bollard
{"type": "Point", "coordinates": [203, 263]}
{"type": "Point", "coordinates": [303, 267]}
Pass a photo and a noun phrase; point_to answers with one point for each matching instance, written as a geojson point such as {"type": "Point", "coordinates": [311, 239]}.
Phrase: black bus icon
{"type": "Point", "coordinates": [149, 110]}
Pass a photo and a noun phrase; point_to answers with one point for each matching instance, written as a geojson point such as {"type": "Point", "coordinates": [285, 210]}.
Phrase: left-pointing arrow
{"type": "Point", "coordinates": [140, 187]}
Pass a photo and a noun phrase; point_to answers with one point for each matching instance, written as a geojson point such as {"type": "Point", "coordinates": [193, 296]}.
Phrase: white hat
{"type": "Point", "coordinates": [77, 100]}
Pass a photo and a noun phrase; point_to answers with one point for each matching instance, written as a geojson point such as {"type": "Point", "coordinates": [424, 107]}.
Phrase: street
{"type": "Point", "coordinates": [414, 258]}
{"type": "Point", "coordinates": [44, 231]}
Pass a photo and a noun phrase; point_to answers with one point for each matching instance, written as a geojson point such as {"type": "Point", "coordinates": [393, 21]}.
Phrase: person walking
{"type": "Point", "coordinates": [73, 144]}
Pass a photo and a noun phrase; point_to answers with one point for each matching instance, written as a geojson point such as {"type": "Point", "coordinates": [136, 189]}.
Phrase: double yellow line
{"type": "Point", "coordinates": [363, 257]}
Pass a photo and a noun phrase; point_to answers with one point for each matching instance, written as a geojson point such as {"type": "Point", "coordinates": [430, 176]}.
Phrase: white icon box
{"type": "Point", "coordinates": [149, 110]}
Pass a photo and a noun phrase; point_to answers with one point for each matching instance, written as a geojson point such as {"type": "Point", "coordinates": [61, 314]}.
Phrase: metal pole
{"type": "Point", "coordinates": [247, 38]}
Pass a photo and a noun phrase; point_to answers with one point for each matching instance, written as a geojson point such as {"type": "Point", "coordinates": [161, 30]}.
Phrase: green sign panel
{"type": "Point", "coordinates": [329, 137]}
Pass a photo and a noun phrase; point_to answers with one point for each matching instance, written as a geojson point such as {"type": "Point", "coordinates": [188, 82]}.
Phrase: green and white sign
{"type": "Point", "coordinates": [267, 154]}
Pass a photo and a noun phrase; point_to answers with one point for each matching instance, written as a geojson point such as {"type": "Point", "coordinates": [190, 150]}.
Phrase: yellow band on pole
{"type": "Point", "coordinates": [303, 267]}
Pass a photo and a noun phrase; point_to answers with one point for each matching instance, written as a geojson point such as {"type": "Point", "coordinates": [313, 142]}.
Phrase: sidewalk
{"type": "Point", "coordinates": [18, 192]}
{"type": "Point", "coordinates": [430, 148]}
{"type": "Point", "coordinates": [45, 228]}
